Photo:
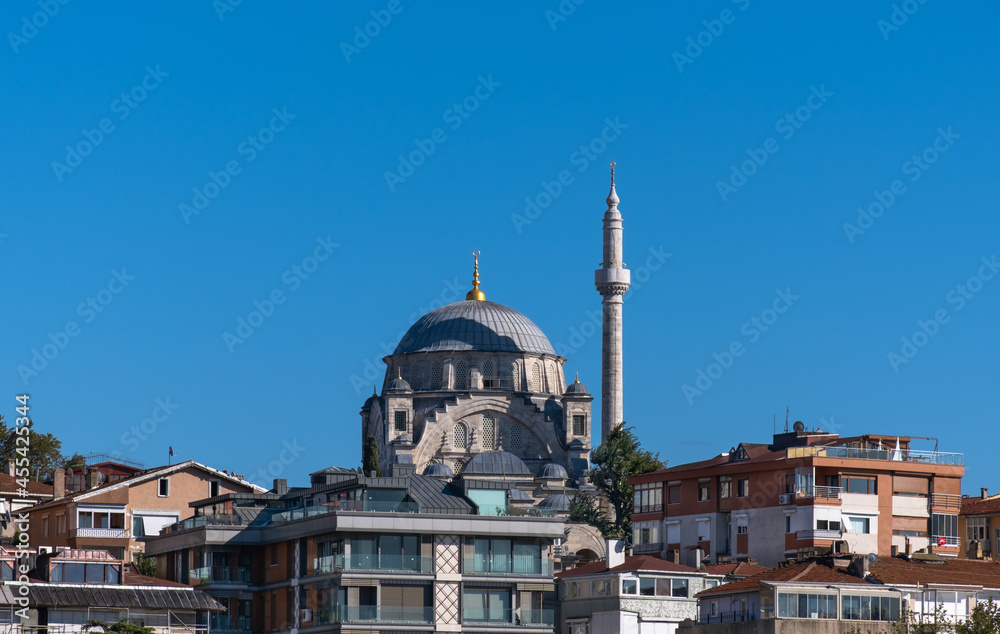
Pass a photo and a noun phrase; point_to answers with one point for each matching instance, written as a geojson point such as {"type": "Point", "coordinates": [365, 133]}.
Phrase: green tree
{"type": "Point", "coordinates": [369, 458]}
{"type": "Point", "coordinates": [144, 565]}
{"type": "Point", "coordinates": [75, 462]}
{"type": "Point", "coordinates": [613, 462]}
{"type": "Point", "coordinates": [44, 451]}
{"type": "Point", "coordinates": [123, 626]}
{"type": "Point", "coordinates": [985, 619]}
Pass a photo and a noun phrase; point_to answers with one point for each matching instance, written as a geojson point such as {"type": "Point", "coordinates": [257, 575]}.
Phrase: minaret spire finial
{"type": "Point", "coordinates": [475, 294]}
{"type": "Point", "coordinates": [612, 197]}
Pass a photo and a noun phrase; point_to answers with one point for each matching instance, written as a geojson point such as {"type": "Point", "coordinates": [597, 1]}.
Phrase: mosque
{"type": "Point", "coordinates": [475, 391]}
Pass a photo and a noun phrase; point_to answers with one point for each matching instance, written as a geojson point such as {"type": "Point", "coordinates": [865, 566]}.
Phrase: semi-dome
{"type": "Point", "coordinates": [438, 470]}
{"type": "Point", "coordinates": [474, 325]}
{"type": "Point", "coordinates": [496, 463]}
{"type": "Point", "coordinates": [552, 471]}
{"type": "Point", "coordinates": [557, 502]}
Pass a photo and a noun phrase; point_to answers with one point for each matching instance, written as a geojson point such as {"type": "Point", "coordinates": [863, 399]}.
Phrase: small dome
{"type": "Point", "coordinates": [399, 384]}
{"type": "Point", "coordinates": [558, 502]}
{"type": "Point", "coordinates": [496, 462]}
{"type": "Point", "coordinates": [438, 470]}
{"type": "Point", "coordinates": [576, 387]}
{"type": "Point", "coordinates": [552, 471]}
{"type": "Point", "coordinates": [517, 495]}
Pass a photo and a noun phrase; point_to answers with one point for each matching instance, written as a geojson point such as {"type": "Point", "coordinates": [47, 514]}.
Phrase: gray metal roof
{"type": "Point", "coordinates": [517, 495]}
{"type": "Point", "coordinates": [499, 463]}
{"type": "Point", "coordinates": [551, 471]}
{"type": "Point", "coordinates": [474, 325]}
{"type": "Point", "coordinates": [435, 496]}
{"type": "Point", "coordinates": [558, 502]}
{"type": "Point", "coordinates": [65, 596]}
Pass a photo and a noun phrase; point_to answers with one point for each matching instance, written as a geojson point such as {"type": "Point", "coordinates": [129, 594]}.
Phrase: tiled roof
{"type": "Point", "coordinates": [979, 506]}
{"type": "Point", "coordinates": [897, 570]}
{"type": "Point", "coordinates": [737, 569]}
{"type": "Point", "coordinates": [9, 485]}
{"type": "Point", "coordinates": [635, 563]}
{"type": "Point", "coordinates": [810, 571]}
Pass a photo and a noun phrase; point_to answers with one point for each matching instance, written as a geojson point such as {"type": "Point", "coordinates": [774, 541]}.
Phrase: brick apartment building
{"type": "Point", "coordinates": [797, 496]}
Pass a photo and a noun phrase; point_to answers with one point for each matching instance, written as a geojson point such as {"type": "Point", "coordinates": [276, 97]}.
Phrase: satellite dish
{"type": "Point", "coordinates": [799, 426]}
{"type": "Point", "coordinates": [872, 558]}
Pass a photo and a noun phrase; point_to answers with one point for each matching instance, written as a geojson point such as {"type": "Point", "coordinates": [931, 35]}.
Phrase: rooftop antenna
{"type": "Point", "coordinates": [786, 419]}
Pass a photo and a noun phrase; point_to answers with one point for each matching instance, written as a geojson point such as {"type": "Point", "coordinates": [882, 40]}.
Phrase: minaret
{"type": "Point", "coordinates": [612, 281]}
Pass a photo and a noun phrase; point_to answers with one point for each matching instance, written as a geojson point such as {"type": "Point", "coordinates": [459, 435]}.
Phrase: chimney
{"type": "Point", "coordinates": [11, 471]}
{"type": "Point", "coordinates": [93, 479]}
{"type": "Point", "coordinates": [616, 552]}
{"type": "Point", "coordinates": [58, 484]}
{"type": "Point", "coordinates": [983, 492]}
{"type": "Point", "coordinates": [908, 550]}
{"type": "Point", "coordinates": [699, 554]}
{"type": "Point", "coordinates": [280, 486]}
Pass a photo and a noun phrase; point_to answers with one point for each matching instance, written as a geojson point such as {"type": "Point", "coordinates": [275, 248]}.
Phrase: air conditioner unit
{"type": "Point", "coordinates": [785, 498]}
{"type": "Point", "coordinates": [306, 614]}
{"type": "Point", "coordinates": [44, 549]}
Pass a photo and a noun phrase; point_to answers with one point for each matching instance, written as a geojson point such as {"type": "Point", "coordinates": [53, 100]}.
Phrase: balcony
{"type": "Point", "coordinates": [507, 567]}
{"type": "Point", "coordinates": [104, 533]}
{"type": "Point", "coordinates": [944, 540]}
{"type": "Point", "coordinates": [888, 455]}
{"type": "Point", "coordinates": [491, 616]}
{"type": "Point", "coordinates": [818, 534]}
{"type": "Point", "coordinates": [221, 574]}
{"type": "Point", "coordinates": [373, 614]}
{"type": "Point", "coordinates": [818, 492]}
{"type": "Point", "coordinates": [946, 500]}
{"type": "Point", "coordinates": [365, 563]}
{"type": "Point", "coordinates": [228, 623]}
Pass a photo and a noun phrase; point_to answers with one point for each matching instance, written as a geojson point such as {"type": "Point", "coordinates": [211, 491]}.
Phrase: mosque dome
{"type": "Point", "coordinates": [552, 471]}
{"type": "Point", "coordinates": [558, 502]}
{"type": "Point", "coordinates": [496, 463]}
{"type": "Point", "coordinates": [474, 325]}
{"type": "Point", "coordinates": [577, 388]}
{"type": "Point", "coordinates": [438, 470]}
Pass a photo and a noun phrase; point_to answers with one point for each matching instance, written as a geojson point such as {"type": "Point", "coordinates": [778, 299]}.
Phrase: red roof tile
{"type": "Point", "coordinates": [8, 484]}
{"type": "Point", "coordinates": [809, 571]}
{"type": "Point", "coordinates": [970, 572]}
{"type": "Point", "coordinates": [977, 506]}
{"type": "Point", "coordinates": [737, 568]}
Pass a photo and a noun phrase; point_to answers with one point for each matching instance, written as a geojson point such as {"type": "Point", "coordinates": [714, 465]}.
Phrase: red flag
{"type": "Point", "coordinates": [941, 541]}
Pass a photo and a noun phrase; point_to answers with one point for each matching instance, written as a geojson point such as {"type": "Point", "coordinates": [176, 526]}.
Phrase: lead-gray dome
{"type": "Point", "coordinates": [496, 462]}
{"type": "Point", "coordinates": [552, 471]}
{"type": "Point", "coordinates": [474, 325]}
{"type": "Point", "coordinates": [557, 502]}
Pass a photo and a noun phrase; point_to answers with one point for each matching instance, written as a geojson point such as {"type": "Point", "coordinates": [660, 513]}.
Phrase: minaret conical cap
{"type": "Point", "coordinates": [612, 196]}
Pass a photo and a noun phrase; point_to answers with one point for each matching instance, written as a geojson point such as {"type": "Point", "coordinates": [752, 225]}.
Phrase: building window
{"type": "Point", "coordinates": [515, 442]}
{"type": "Point", "coordinates": [163, 487]}
{"type": "Point", "coordinates": [725, 487]}
{"type": "Point", "coordinates": [742, 487]}
{"type": "Point", "coordinates": [647, 586]}
{"type": "Point", "coordinates": [679, 588]}
{"type": "Point", "coordinates": [788, 524]}
{"type": "Point", "coordinates": [45, 526]}
{"type": "Point", "coordinates": [462, 375]}
{"type": "Point", "coordinates": [703, 491]}
{"type": "Point", "coordinates": [213, 488]}
{"type": "Point", "coordinates": [630, 586]}
{"type": "Point", "coordinates": [489, 432]}
{"type": "Point", "coordinates": [490, 381]}
{"type": "Point", "coordinates": [61, 524]}
{"type": "Point", "coordinates": [741, 529]}
{"type": "Point", "coordinates": [274, 554]}
{"type": "Point", "coordinates": [536, 378]}
{"type": "Point", "coordinates": [435, 382]}
{"type": "Point", "coordinates": [580, 628]}
{"type": "Point", "coordinates": [807, 606]}
{"type": "Point", "coordinates": [674, 493]}
{"type": "Point", "coordinates": [944, 529]}
{"type": "Point", "coordinates": [460, 437]}
{"type": "Point", "coordinates": [828, 525]}
{"type": "Point", "coordinates": [860, 525]}
{"type": "Point", "coordinates": [400, 420]}
{"type": "Point", "coordinates": [645, 533]}
{"type": "Point", "coordinates": [484, 606]}
{"type": "Point", "coordinates": [869, 608]}
{"type": "Point", "coordinates": [515, 377]}
{"type": "Point", "coordinates": [863, 485]}
{"type": "Point", "coordinates": [704, 530]}
{"type": "Point", "coordinates": [579, 425]}
{"type": "Point", "coordinates": [647, 498]}
{"type": "Point", "coordinates": [977, 528]}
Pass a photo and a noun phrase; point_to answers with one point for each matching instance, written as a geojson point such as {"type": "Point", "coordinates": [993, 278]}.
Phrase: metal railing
{"type": "Point", "coordinates": [396, 563]}
{"type": "Point", "coordinates": [903, 455]}
{"type": "Point", "coordinates": [107, 533]}
{"type": "Point", "coordinates": [221, 574]}
{"type": "Point", "coordinates": [819, 492]}
{"type": "Point", "coordinates": [948, 540]}
{"type": "Point", "coordinates": [490, 616]}
{"type": "Point", "coordinates": [818, 533]}
{"type": "Point", "coordinates": [383, 614]}
{"type": "Point", "coordinates": [229, 623]}
{"type": "Point", "coordinates": [946, 500]}
{"type": "Point", "coordinates": [727, 617]}
{"type": "Point", "coordinates": [507, 566]}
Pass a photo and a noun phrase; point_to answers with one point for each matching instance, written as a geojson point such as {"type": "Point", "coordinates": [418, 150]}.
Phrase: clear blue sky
{"type": "Point", "coordinates": [179, 93]}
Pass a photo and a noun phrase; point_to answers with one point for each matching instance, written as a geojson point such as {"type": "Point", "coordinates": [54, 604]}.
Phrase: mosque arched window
{"type": "Point", "coordinates": [489, 432]}
{"type": "Point", "coordinates": [507, 378]}
{"type": "Point", "coordinates": [460, 436]}
{"type": "Point", "coordinates": [435, 382]}
{"type": "Point", "coordinates": [490, 381]}
{"type": "Point", "coordinates": [536, 377]}
{"type": "Point", "coordinates": [462, 375]}
{"type": "Point", "coordinates": [515, 439]}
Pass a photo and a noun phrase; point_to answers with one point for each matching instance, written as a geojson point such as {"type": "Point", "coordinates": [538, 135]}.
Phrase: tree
{"type": "Point", "coordinates": [985, 619]}
{"type": "Point", "coordinates": [123, 626]}
{"type": "Point", "coordinates": [75, 462]}
{"type": "Point", "coordinates": [44, 451]}
{"type": "Point", "coordinates": [613, 462]}
{"type": "Point", "coordinates": [369, 458]}
{"type": "Point", "coordinates": [145, 566]}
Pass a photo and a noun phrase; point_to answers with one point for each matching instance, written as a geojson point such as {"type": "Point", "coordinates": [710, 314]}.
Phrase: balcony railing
{"type": "Point", "coordinates": [818, 534]}
{"type": "Point", "coordinates": [946, 500]}
{"type": "Point", "coordinates": [489, 616]}
{"type": "Point", "coordinates": [228, 623]}
{"type": "Point", "coordinates": [903, 455]}
{"type": "Point", "coordinates": [819, 492]}
{"type": "Point", "coordinates": [506, 566]}
{"type": "Point", "coordinates": [373, 614]}
{"type": "Point", "coordinates": [948, 540]}
{"type": "Point", "coordinates": [396, 563]}
{"type": "Point", "coordinates": [107, 533]}
{"type": "Point", "coordinates": [727, 617]}
{"type": "Point", "coordinates": [221, 574]}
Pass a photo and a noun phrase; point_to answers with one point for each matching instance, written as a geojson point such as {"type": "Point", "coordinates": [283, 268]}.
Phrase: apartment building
{"type": "Point", "coordinates": [979, 526]}
{"type": "Point", "coordinates": [118, 514]}
{"type": "Point", "coordinates": [356, 553]}
{"type": "Point", "coordinates": [799, 495]}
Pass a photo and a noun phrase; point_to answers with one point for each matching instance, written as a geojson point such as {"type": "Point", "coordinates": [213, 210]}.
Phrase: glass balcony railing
{"type": "Point", "coordinates": [228, 623]}
{"type": "Point", "coordinates": [384, 614]}
{"type": "Point", "coordinates": [493, 616]}
{"type": "Point", "coordinates": [396, 563]}
{"type": "Point", "coordinates": [507, 566]}
{"type": "Point", "coordinates": [903, 455]}
{"type": "Point", "coordinates": [221, 574]}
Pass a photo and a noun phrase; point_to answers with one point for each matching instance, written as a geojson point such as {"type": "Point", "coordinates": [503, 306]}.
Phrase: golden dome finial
{"type": "Point", "coordinates": [475, 293]}
{"type": "Point", "coordinates": [577, 377]}
{"type": "Point", "coordinates": [399, 372]}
